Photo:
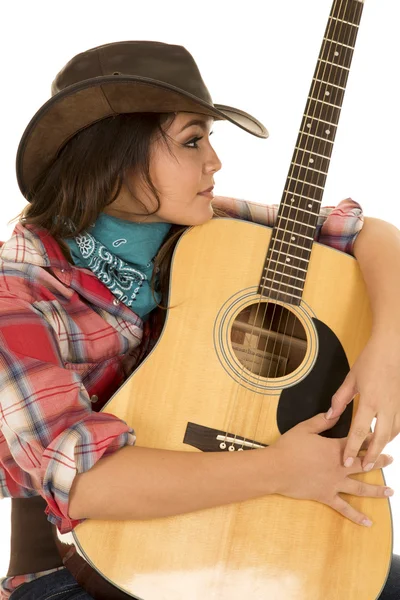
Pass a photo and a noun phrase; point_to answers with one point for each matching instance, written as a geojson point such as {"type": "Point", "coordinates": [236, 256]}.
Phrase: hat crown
{"type": "Point", "coordinates": [166, 63]}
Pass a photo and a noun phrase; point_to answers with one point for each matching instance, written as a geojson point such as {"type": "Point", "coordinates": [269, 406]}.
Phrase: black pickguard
{"type": "Point", "coordinates": [314, 393]}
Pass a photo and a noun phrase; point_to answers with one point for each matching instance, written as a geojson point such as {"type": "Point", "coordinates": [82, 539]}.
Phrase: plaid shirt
{"type": "Point", "coordinates": [66, 346]}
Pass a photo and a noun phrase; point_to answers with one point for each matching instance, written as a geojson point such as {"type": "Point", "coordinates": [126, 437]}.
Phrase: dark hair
{"type": "Point", "coordinates": [87, 175]}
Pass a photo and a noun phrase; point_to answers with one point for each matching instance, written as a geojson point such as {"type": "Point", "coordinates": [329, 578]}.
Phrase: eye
{"type": "Point", "coordinates": [194, 141]}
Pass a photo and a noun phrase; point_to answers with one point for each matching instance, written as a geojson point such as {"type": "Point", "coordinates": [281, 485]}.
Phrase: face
{"type": "Point", "coordinates": [179, 178]}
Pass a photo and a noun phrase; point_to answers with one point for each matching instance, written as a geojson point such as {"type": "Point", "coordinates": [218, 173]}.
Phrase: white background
{"type": "Point", "coordinates": [255, 55]}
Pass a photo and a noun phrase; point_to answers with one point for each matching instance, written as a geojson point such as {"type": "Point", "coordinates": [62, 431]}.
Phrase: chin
{"type": "Point", "coordinates": [204, 218]}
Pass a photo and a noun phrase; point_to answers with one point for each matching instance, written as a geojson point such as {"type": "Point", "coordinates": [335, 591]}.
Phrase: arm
{"type": "Point", "coordinates": [145, 483]}
{"type": "Point", "coordinates": [49, 432]}
{"type": "Point", "coordinates": [377, 250]}
{"type": "Point", "coordinates": [376, 373]}
{"type": "Point", "coordinates": [337, 226]}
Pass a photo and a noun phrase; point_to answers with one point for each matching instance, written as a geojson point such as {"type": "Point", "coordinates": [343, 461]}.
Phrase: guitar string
{"type": "Point", "coordinates": [234, 404]}
{"type": "Point", "coordinates": [304, 179]}
{"type": "Point", "coordinates": [333, 98]}
{"type": "Point", "coordinates": [322, 53]}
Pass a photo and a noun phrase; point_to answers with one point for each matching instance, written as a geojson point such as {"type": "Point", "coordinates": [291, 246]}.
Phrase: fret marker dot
{"type": "Point", "coordinates": [293, 237]}
{"type": "Point", "coordinates": [327, 93]}
{"type": "Point", "coordinates": [327, 131]}
{"type": "Point", "coordinates": [308, 125]}
{"type": "Point", "coordinates": [288, 260]}
{"type": "Point", "coordinates": [311, 160]}
{"type": "Point", "coordinates": [291, 199]}
{"type": "Point", "coordinates": [336, 53]}
{"type": "Point", "coordinates": [309, 205]}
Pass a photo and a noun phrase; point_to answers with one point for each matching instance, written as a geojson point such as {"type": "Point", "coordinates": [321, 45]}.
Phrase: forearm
{"type": "Point", "coordinates": [145, 483]}
{"type": "Point", "coordinates": [377, 249]}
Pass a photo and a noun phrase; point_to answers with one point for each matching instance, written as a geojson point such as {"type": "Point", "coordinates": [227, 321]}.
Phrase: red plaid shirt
{"type": "Point", "coordinates": [66, 346]}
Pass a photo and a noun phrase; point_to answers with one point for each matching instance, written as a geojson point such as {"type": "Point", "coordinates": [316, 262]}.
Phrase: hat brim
{"type": "Point", "coordinates": [87, 102]}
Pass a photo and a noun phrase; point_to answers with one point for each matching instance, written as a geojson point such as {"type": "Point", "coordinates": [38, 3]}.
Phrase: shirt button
{"type": "Point", "coordinates": [115, 302]}
{"type": "Point", "coordinates": [94, 398]}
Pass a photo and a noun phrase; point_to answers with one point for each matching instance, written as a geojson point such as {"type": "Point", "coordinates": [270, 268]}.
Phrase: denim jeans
{"type": "Point", "coordinates": [62, 586]}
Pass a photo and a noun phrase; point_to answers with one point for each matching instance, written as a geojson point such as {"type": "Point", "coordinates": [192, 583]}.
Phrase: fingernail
{"type": "Point", "coordinates": [348, 462]}
{"type": "Point", "coordinates": [389, 492]}
{"type": "Point", "coordinates": [329, 413]}
{"type": "Point", "coordinates": [366, 522]}
{"type": "Point", "coordinates": [390, 458]}
{"type": "Point", "coordinates": [369, 466]}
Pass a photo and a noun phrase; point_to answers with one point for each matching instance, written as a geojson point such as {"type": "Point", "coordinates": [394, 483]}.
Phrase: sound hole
{"type": "Point", "coordinates": [268, 339]}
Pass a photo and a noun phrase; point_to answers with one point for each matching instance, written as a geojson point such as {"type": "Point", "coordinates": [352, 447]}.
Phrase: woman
{"type": "Point", "coordinates": [115, 166]}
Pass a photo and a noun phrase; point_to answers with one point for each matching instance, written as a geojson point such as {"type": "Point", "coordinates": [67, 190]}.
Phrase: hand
{"type": "Point", "coordinates": [309, 467]}
{"type": "Point", "coordinates": [376, 377]}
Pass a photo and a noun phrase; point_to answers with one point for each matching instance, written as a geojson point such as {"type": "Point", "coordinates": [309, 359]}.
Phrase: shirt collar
{"type": "Point", "coordinates": [33, 245]}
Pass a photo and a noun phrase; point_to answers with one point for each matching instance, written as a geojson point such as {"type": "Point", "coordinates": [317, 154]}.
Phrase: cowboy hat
{"type": "Point", "coordinates": [121, 77]}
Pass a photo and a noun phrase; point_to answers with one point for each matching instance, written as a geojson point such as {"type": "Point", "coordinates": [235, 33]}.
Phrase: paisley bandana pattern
{"type": "Point", "coordinates": [120, 253]}
{"type": "Point", "coordinates": [123, 280]}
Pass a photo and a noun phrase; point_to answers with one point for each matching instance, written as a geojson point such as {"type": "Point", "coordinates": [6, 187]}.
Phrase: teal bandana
{"type": "Point", "coordinates": [120, 253]}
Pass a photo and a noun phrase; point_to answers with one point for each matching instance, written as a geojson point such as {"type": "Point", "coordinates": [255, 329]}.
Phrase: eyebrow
{"type": "Point", "coordinates": [198, 122]}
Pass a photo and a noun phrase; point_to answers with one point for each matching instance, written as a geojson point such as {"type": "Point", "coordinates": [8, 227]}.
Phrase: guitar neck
{"type": "Point", "coordinates": [288, 255]}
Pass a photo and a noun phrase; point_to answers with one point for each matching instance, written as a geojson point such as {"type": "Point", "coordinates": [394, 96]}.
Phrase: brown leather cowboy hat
{"type": "Point", "coordinates": [121, 77]}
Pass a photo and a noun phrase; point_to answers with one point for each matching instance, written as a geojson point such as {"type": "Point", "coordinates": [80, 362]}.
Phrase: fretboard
{"type": "Point", "coordinates": [287, 260]}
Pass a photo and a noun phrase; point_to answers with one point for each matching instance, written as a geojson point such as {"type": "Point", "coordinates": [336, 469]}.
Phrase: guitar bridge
{"type": "Point", "coordinates": [215, 440]}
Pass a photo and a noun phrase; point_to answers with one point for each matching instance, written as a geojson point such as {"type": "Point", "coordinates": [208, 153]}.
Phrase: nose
{"type": "Point", "coordinates": [212, 164]}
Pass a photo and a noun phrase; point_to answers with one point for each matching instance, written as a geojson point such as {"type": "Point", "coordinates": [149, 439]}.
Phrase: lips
{"type": "Point", "coordinates": [210, 189]}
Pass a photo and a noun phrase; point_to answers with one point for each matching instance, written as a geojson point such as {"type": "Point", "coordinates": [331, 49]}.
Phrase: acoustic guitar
{"type": "Point", "coordinates": [260, 335]}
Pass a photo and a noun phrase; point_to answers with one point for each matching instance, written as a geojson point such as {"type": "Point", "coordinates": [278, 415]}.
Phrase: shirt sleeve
{"type": "Point", "coordinates": [46, 418]}
{"type": "Point", "coordinates": [337, 226]}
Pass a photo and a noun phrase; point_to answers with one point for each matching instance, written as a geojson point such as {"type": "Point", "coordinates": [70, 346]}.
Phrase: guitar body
{"type": "Point", "coordinates": [273, 547]}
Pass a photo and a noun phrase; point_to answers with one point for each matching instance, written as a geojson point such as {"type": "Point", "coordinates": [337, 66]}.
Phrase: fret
{"type": "Point", "coordinates": [284, 275]}
{"type": "Point", "coordinates": [313, 143]}
{"type": "Point", "coordinates": [336, 53]}
{"type": "Point", "coordinates": [309, 157]}
{"type": "Point", "coordinates": [307, 237]}
{"type": "Point", "coordinates": [338, 43]}
{"type": "Point", "coordinates": [346, 22]}
{"type": "Point", "coordinates": [321, 187]}
{"type": "Point", "coordinates": [295, 221]}
{"type": "Point", "coordinates": [320, 120]}
{"type": "Point", "coordinates": [349, 11]}
{"type": "Point", "coordinates": [344, 32]}
{"type": "Point", "coordinates": [317, 137]}
{"type": "Point", "coordinates": [287, 265]}
{"type": "Point", "coordinates": [324, 102]}
{"type": "Point", "coordinates": [304, 173]}
{"type": "Point", "coordinates": [304, 190]}
{"type": "Point", "coordinates": [314, 153]}
{"type": "Point", "coordinates": [333, 64]}
{"type": "Point", "coordinates": [308, 168]}
{"type": "Point", "coordinates": [281, 283]}
{"type": "Point", "coordinates": [309, 212]}
{"type": "Point", "coordinates": [277, 294]}
{"type": "Point", "coordinates": [325, 91]}
{"type": "Point", "coordinates": [328, 83]}
{"type": "Point", "coordinates": [302, 196]}
{"type": "Point", "coordinates": [293, 256]}
{"type": "Point", "coordinates": [290, 244]}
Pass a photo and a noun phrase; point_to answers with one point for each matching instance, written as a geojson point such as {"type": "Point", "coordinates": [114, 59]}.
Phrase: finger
{"type": "Point", "coordinates": [381, 437]}
{"type": "Point", "coordinates": [382, 461]}
{"type": "Point", "coordinates": [343, 396]}
{"type": "Point", "coordinates": [345, 509]}
{"type": "Point", "coordinates": [360, 488]}
{"type": "Point", "coordinates": [364, 445]}
{"type": "Point", "coordinates": [360, 428]}
{"type": "Point", "coordinates": [366, 442]}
